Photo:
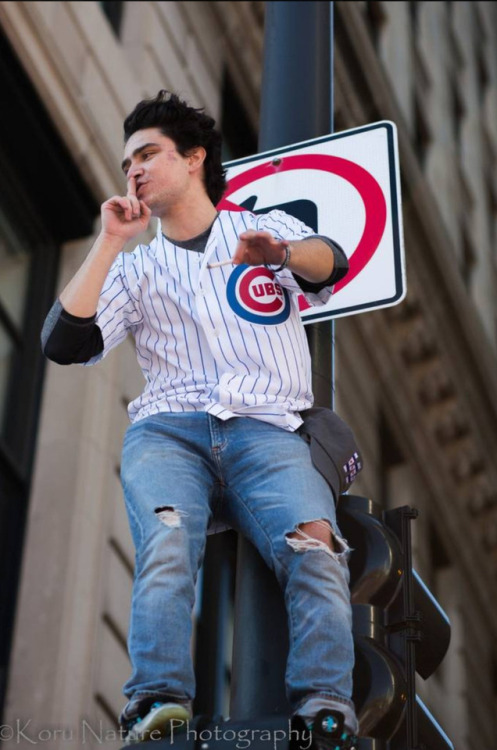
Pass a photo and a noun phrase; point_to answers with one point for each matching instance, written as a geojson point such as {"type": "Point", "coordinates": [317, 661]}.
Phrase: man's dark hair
{"type": "Point", "coordinates": [188, 128]}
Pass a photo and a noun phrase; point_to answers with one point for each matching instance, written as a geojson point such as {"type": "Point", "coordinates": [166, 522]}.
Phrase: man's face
{"type": "Point", "coordinates": [161, 175]}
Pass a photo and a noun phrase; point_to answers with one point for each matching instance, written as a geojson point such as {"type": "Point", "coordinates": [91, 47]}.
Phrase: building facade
{"type": "Point", "coordinates": [417, 382]}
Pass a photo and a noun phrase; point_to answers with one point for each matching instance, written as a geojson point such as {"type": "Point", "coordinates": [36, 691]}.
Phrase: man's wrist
{"type": "Point", "coordinates": [110, 242]}
{"type": "Point", "coordinates": [286, 259]}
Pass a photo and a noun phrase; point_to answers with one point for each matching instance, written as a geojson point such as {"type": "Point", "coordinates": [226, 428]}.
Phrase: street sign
{"type": "Point", "coordinates": [345, 186]}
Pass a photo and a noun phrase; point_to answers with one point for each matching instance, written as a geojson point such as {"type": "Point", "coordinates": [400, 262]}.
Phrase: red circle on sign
{"type": "Point", "coordinates": [246, 293]}
{"type": "Point", "coordinates": [364, 182]}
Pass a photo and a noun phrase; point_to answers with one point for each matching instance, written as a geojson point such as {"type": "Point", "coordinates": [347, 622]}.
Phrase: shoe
{"type": "Point", "coordinates": [328, 732]}
{"type": "Point", "coordinates": [156, 724]}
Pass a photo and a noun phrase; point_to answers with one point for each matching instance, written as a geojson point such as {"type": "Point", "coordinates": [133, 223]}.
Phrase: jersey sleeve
{"type": "Point", "coordinates": [286, 227]}
{"type": "Point", "coordinates": [117, 310]}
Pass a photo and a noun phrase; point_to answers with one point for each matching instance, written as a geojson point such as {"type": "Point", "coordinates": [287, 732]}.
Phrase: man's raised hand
{"type": "Point", "coordinates": [125, 216]}
{"type": "Point", "coordinates": [256, 248]}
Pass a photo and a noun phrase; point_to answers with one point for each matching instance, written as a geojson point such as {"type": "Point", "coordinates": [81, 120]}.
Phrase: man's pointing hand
{"type": "Point", "coordinates": [257, 248]}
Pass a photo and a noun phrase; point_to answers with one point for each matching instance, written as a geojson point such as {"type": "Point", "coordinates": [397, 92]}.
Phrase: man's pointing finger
{"type": "Point", "coordinates": [132, 197]}
{"type": "Point", "coordinates": [132, 186]}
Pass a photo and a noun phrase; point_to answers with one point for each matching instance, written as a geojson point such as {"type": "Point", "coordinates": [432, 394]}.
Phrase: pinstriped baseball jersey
{"type": "Point", "coordinates": [227, 340]}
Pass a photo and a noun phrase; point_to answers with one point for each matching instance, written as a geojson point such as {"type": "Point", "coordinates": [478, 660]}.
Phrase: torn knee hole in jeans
{"type": "Point", "coordinates": [300, 541]}
{"type": "Point", "coordinates": [169, 516]}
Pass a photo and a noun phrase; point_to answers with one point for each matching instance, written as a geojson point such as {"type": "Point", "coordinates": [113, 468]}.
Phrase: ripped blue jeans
{"type": "Point", "coordinates": [179, 471]}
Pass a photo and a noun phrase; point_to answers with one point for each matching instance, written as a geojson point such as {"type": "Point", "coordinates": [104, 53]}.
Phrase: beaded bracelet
{"type": "Point", "coordinates": [286, 260]}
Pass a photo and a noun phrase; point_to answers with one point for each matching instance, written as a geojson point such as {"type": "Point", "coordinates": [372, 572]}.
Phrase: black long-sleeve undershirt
{"type": "Point", "coordinates": [68, 339]}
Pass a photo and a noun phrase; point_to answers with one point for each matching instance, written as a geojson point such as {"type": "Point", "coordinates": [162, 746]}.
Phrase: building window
{"type": "Point", "coordinates": [482, 73]}
{"type": "Point", "coordinates": [113, 11]}
{"type": "Point", "coordinates": [43, 203]}
{"type": "Point", "coordinates": [468, 259]}
{"type": "Point", "coordinates": [458, 114]}
{"type": "Point", "coordinates": [494, 694]}
{"type": "Point", "coordinates": [15, 266]}
{"type": "Point", "coordinates": [391, 458]}
{"type": "Point", "coordinates": [439, 557]}
{"type": "Point", "coordinates": [28, 266]}
{"type": "Point", "coordinates": [491, 201]}
{"type": "Point", "coordinates": [422, 134]}
{"type": "Point", "coordinates": [414, 14]}
{"type": "Point", "coordinates": [376, 18]}
{"type": "Point", "coordinates": [239, 137]}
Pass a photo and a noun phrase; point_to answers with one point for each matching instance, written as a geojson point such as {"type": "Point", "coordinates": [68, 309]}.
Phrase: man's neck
{"type": "Point", "coordinates": [185, 222]}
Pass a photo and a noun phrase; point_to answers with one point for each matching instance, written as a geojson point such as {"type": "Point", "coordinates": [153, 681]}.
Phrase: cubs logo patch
{"type": "Point", "coordinates": [254, 294]}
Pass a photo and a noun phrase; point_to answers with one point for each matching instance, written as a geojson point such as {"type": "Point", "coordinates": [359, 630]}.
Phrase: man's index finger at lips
{"type": "Point", "coordinates": [131, 186]}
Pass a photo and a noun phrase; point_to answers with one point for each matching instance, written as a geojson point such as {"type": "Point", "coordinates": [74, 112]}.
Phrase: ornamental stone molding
{"type": "Point", "coordinates": [435, 365]}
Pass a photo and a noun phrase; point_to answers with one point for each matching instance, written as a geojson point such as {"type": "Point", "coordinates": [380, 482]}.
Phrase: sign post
{"type": "Point", "coordinates": [296, 104]}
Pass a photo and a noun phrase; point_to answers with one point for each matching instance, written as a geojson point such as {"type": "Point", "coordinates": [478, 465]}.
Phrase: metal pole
{"type": "Point", "coordinates": [297, 104]}
{"type": "Point", "coordinates": [212, 630]}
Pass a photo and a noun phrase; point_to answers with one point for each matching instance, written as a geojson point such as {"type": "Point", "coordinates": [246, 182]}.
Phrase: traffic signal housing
{"type": "Point", "coordinates": [399, 629]}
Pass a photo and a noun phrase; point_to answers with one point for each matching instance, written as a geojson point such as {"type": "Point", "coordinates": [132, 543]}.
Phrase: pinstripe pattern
{"type": "Point", "coordinates": [195, 351]}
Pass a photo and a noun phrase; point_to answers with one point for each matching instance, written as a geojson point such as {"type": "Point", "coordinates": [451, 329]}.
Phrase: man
{"type": "Point", "coordinates": [212, 305]}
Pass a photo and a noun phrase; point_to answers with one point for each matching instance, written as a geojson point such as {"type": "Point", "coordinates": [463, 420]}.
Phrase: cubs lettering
{"type": "Point", "coordinates": [259, 290]}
